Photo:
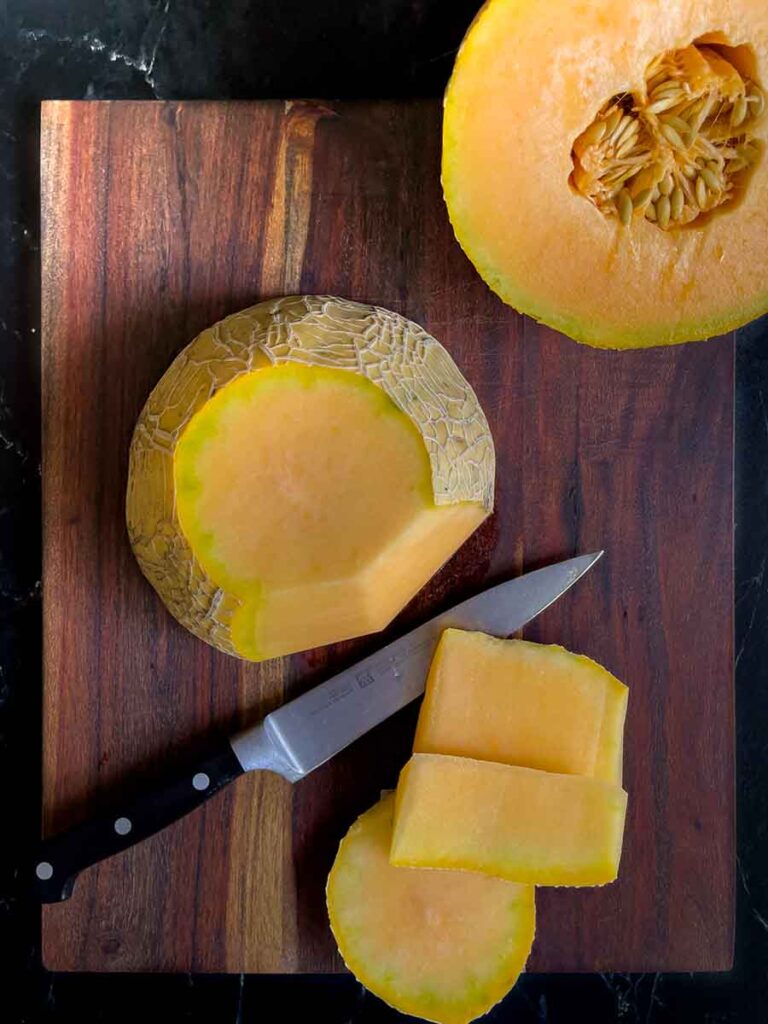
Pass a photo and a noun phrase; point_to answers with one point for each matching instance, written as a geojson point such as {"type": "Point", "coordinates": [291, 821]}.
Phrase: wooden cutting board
{"type": "Point", "coordinates": [159, 218]}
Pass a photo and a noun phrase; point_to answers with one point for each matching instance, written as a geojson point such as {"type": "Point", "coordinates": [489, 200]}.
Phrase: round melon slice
{"type": "Point", "coordinates": [300, 472]}
{"type": "Point", "coordinates": [442, 945]}
{"type": "Point", "coordinates": [605, 165]}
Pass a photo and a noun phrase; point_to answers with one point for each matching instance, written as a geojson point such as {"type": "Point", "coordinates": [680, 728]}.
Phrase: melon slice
{"type": "Point", "coordinates": [441, 945]}
{"type": "Point", "coordinates": [301, 471]}
{"type": "Point", "coordinates": [609, 763]}
{"type": "Point", "coordinates": [521, 824]}
{"type": "Point", "coordinates": [605, 165]}
{"type": "Point", "coordinates": [522, 703]}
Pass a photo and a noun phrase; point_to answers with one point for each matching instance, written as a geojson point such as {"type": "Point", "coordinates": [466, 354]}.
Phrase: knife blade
{"type": "Point", "coordinates": [306, 732]}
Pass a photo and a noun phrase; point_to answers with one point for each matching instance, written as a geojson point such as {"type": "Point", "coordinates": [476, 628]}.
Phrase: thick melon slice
{"type": "Point", "coordinates": [441, 945]}
{"type": "Point", "coordinates": [605, 168]}
{"type": "Point", "coordinates": [521, 824]}
{"type": "Point", "coordinates": [522, 703]}
{"type": "Point", "coordinates": [300, 472]}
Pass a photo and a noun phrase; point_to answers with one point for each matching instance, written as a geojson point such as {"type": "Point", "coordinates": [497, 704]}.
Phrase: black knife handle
{"type": "Point", "coordinates": [61, 858]}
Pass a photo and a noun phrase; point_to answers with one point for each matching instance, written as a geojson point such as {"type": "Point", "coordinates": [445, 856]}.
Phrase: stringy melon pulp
{"type": "Point", "coordinates": [441, 945]}
{"type": "Point", "coordinates": [522, 703]}
{"type": "Point", "coordinates": [307, 493]}
{"type": "Point", "coordinates": [547, 100]}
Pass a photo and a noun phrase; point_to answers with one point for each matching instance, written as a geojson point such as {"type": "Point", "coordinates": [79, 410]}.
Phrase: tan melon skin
{"type": "Point", "coordinates": [529, 78]}
{"type": "Point", "coordinates": [397, 355]}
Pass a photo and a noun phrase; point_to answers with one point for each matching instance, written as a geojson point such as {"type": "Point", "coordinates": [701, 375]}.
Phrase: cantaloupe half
{"type": "Point", "coordinates": [605, 166]}
{"type": "Point", "coordinates": [441, 945]}
{"type": "Point", "coordinates": [521, 824]}
{"type": "Point", "coordinates": [522, 703]}
{"type": "Point", "coordinates": [300, 472]}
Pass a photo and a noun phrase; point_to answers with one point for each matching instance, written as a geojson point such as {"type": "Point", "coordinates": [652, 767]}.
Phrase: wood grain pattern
{"type": "Point", "coordinates": [159, 218]}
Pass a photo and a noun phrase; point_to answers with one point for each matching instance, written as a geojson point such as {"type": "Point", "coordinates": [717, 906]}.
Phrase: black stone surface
{"type": "Point", "coordinates": [258, 49]}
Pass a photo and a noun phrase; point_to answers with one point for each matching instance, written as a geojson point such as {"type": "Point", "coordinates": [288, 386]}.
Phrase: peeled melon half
{"type": "Point", "coordinates": [605, 165]}
{"type": "Point", "coordinates": [521, 824]}
{"type": "Point", "coordinates": [441, 945]}
{"type": "Point", "coordinates": [300, 472]}
{"type": "Point", "coordinates": [522, 703]}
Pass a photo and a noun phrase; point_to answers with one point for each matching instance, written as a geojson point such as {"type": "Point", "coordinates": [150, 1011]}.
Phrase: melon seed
{"type": "Point", "coordinates": [739, 111]}
{"type": "Point", "coordinates": [691, 112]}
{"type": "Point", "coordinates": [624, 207]}
{"type": "Point", "coordinates": [683, 127]}
{"type": "Point", "coordinates": [594, 134]}
{"type": "Point", "coordinates": [701, 193]}
{"type": "Point", "coordinates": [668, 88]}
{"type": "Point", "coordinates": [703, 112]}
{"type": "Point", "coordinates": [758, 98]}
{"type": "Point", "coordinates": [627, 146]}
{"type": "Point", "coordinates": [620, 130]}
{"type": "Point", "coordinates": [711, 180]}
{"type": "Point", "coordinates": [663, 211]}
{"type": "Point", "coordinates": [662, 104]}
{"type": "Point", "coordinates": [672, 136]}
{"type": "Point", "coordinates": [612, 122]}
{"type": "Point", "coordinates": [676, 202]}
{"type": "Point", "coordinates": [650, 211]}
{"type": "Point", "coordinates": [666, 184]}
{"type": "Point", "coordinates": [642, 197]}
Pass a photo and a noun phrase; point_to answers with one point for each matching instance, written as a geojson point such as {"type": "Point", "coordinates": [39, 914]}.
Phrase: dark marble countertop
{"type": "Point", "coordinates": [272, 48]}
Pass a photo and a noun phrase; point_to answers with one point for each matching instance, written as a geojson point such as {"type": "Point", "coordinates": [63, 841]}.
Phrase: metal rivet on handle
{"type": "Point", "coordinates": [44, 870]}
{"type": "Point", "coordinates": [201, 781]}
{"type": "Point", "coordinates": [123, 826]}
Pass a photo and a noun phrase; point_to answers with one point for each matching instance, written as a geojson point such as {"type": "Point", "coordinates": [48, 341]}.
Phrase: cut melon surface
{"type": "Point", "coordinates": [259, 472]}
{"type": "Point", "coordinates": [521, 824]}
{"type": "Point", "coordinates": [522, 703]}
{"type": "Point", "coordinates": [441, 945]}
{"type": "Point", "coordinates": [604, 165]}
{"type": "Point", "coordinates": [298, 474]}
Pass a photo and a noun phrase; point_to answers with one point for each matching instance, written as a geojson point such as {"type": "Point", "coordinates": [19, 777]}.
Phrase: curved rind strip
{"type": "Point", "coordinates": [396, 354]}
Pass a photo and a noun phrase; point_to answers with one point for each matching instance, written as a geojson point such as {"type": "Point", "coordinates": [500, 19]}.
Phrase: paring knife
{"type": "Point", "coordinates": [304, 733]}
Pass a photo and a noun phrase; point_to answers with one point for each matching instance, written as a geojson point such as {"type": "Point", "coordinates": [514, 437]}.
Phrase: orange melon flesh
{"type": "Point", "coordinates": [609, 763]}
{"type": "Point", "coordinates": [520, 824]}
{"type": "Point", "coordinates": [441, 945]}
{"type": "Point", "coordinates": [522, 703]}
{"type": "Point", "coordinates": [307, 493]}
{"type": "Point", "coordinates": [528, 80]}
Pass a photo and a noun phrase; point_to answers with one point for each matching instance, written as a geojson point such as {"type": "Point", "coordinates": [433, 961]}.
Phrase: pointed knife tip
{"type": "Point", "coordinates": [593, 557]}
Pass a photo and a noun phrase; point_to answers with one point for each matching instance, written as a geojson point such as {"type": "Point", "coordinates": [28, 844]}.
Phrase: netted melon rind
{"type": "Point", "coordinates": [396, 354]}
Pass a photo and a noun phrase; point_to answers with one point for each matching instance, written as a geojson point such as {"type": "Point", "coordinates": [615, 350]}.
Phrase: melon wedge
{"type": "Point", "coordinates": [605, 165]}
{"type": "Point", "coordinates": [522, 703]}
{"type": "Point", "coordinates": [441, 945]}
{"type": "Point", "coordinates": [521, 824]}
{"type": "Point", "coordinates": [300, 472]}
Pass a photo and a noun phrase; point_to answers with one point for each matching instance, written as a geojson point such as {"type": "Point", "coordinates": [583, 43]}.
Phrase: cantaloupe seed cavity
{"type": "Point", "coordinates": [681, 148]}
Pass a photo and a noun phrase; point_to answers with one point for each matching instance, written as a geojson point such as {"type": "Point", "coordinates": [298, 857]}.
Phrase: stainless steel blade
{"type": "Point", "coordinates": [307, 731]}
